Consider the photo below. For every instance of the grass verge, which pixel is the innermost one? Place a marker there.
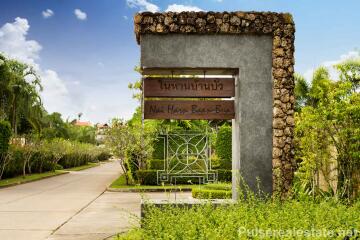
(120, 185)
(28, 178)
(83, 167)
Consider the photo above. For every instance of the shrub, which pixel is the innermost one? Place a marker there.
(223, 146)
(218, 186)
(156, 164)
(215, 161)
(147, 177)
(41, 161)
(14, 166)
(131, 162)
(224, 175)
(204, 193)
(212, 191)
(38, 157)
(74, 159)
(158, 145)
(103, 156)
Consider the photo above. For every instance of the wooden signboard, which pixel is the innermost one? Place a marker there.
(177, 109)
(189, 87)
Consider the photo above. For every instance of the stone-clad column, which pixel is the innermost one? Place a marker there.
(168, 40)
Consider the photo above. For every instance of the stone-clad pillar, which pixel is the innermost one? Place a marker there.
(237, 40)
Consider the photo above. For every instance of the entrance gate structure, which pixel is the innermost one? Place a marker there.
(253, 48)
(187, 155)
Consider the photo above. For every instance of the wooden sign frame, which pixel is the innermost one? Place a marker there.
(189, 109)
(189, 87)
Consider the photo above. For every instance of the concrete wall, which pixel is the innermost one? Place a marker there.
(252, 55)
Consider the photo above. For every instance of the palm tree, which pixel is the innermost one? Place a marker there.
(307, 94)
(19, 94)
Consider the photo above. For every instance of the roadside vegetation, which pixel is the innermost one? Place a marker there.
(34, 143)
(252, 219)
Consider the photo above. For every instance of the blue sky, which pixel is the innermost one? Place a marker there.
(87, 59)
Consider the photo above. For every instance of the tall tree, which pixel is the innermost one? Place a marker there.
(330, 118)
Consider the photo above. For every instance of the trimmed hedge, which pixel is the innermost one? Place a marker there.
(218, 186)
(148, 177)
(223, 146)
(203, 193)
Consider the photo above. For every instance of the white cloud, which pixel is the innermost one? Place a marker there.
(144, 5)
(182, 8)
(125, 17)
(55, 94)
(80, 14)
(14, 44)
(330, 65)
(48, 13)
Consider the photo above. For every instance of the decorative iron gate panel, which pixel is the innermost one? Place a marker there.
(187, 155)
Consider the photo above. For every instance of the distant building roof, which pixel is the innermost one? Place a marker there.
(84, 124)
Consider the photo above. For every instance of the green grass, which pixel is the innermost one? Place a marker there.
(28, 178)
(83, 167)
(120, 183)
(38, 176)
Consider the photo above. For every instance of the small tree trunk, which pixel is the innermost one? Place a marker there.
(125, 171)
(4, 161)
(24, 169)
(2, 168)
(29, 167)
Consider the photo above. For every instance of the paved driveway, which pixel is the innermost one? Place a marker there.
(73, 206)
(36, 210)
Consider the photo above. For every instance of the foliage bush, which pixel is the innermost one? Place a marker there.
(224, 175)
(42, 156)
(218, 186)
(104, 155)
(223, 147)
(327, 132)
(212, 191)
(252, 219)
(156, 164)
(203, 193)
(131, 145)
(147, 177)
(158, 145)
(5, 134)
